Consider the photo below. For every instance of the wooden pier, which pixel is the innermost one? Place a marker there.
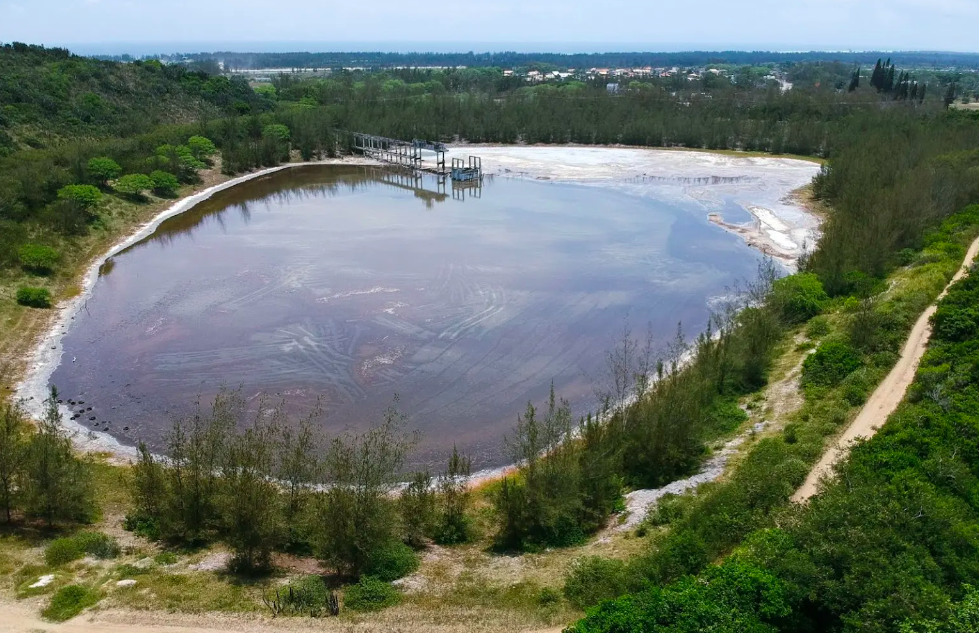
(409, 154)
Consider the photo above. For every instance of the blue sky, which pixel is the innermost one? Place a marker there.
(565, 25)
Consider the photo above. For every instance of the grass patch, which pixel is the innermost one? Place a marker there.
(370, 594)
(68, 602)
(193, 593)
(64, 550)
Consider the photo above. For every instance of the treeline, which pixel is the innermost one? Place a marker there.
(885, 545)
(41, 476)
(266, 483)
(892, 176)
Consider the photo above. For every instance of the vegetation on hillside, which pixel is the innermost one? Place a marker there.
(887, 547)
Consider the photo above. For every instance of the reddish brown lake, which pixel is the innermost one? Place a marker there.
(352, 285)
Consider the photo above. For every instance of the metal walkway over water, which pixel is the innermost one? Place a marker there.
(409, 154)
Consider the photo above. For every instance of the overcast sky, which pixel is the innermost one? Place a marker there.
(564, 25)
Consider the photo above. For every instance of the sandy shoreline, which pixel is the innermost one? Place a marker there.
(762, 186)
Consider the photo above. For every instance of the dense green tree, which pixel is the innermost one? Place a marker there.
(134, 185)
(201, 148)
(416, 504)
(298, 468)
(85, 197)
(38, 258)
(58, 483)
(165, 184)
(13, 454)
(250, 507)
(355, 521)
(454, 524)
(799, 297)
(102, 169)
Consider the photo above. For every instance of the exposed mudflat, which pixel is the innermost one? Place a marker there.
(749, 196)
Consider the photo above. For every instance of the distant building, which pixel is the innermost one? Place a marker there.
(612, 88)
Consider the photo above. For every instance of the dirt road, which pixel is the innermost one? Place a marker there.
(21, 617)
(888, 394)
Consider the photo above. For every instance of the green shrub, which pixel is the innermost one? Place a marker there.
(68, 602)
(855, 388)
(83, 196)
(792, 472)
(127, 570)
(276, 131)
(818, 327)
(12, 235)
(668, 508)
(955, 322)
(860, 284)
(731, 597)
(906, 256)
(134, 185)
(829, 364)
(593, 579)
(370, 594)
(799, 297)
(166, 558)
(725, 415)
(34, 297)
(37, 258)
(141, 525)
(548, 596)
(201, 147)
(97, 544)
(392, 561)
(791, 433)
(66, 549)
(63, 550)
(102, 170)
(164, 184)
(305, 596)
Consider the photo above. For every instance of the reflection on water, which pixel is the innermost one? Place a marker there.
(299, 183)
(352, 284)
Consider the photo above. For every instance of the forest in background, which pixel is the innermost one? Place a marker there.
(899, 168)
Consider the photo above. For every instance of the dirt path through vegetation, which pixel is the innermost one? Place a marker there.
(888, 394)
(21, 617)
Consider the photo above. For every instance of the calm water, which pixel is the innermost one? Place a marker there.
(351, 284)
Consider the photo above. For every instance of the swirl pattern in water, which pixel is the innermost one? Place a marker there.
(351, 284)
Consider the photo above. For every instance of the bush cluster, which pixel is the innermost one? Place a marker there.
(34, 297)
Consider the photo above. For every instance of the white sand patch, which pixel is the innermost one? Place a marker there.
(768, 218)
(356, 293)
(639, 502)
(781, 239)
(760, 185)
(212, 562)
(43, 581)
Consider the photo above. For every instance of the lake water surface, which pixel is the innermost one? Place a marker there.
(352, 284)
